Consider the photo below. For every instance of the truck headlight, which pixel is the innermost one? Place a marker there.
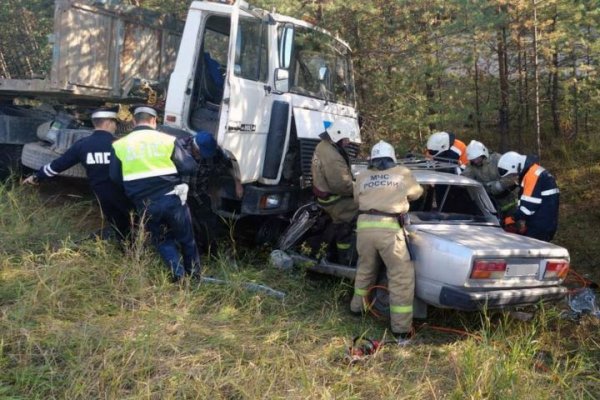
(270, 201)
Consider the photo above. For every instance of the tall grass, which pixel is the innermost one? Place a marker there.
(82, 320)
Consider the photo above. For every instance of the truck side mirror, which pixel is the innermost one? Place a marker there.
(282, 80)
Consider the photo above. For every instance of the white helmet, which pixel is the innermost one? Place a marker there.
(383, 150)
(511, 163)
(438, 142)
(341, 129)
(476, 149)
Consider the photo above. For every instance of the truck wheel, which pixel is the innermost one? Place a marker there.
(36, 155)
(10, 159)
(270, 230)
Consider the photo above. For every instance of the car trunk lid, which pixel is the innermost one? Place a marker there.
(524, 259)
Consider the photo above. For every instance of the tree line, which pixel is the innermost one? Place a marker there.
(518, 73)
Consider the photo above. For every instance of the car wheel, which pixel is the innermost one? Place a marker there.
(36, 155)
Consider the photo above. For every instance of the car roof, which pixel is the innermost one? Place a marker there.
(438, 177)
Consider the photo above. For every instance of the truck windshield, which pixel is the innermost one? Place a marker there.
(321, 67)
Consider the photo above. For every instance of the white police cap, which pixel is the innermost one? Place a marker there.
(146, 110)
(105, 113)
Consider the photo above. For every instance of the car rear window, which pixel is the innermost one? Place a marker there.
(449, 203)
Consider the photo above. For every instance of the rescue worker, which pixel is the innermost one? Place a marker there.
(148, 163)
(333, 185)
(445, 145)
(383, 192)
(93, 152)
(483, 167)
(212, 164)
(537, 212)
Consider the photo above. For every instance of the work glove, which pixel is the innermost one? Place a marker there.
(510, 225)
(509, 221)
(180, 191)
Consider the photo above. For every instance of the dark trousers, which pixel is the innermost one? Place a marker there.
(170, 227)
(116, 208)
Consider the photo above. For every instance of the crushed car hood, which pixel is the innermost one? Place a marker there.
(490, 240)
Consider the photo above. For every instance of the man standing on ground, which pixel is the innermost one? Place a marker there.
(383, 192)
(333, 184)
(148, 163)
(93, 152)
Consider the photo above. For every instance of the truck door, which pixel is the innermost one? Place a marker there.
(247, 99)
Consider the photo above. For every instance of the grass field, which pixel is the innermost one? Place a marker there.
(85, 320)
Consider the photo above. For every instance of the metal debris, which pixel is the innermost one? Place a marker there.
(280, 260)
(584, 302)
(253, 287)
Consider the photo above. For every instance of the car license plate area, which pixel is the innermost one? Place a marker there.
(516, 270)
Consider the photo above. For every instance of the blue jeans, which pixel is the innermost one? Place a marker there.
(170, 227)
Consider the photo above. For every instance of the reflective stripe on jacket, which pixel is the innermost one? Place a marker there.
(538, 199)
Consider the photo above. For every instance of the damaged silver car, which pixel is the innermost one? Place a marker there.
(463, 258)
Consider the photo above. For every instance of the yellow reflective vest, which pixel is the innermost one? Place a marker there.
(145, 153)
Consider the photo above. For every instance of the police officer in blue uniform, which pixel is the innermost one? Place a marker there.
(149, 165)
(93, 152)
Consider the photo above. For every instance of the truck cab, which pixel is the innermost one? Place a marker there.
(265, 85)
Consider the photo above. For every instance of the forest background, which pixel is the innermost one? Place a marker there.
(517, 74)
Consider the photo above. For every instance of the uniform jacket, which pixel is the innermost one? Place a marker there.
(331, 170)
(93, 152)
(333, 183)
(385, 191)
(503, 190)
(457, 151)
(160, 156)
(538, 198)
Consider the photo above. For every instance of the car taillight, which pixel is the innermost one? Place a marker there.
(556, 269)
(488, 269)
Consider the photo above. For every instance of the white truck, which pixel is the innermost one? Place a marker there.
(266, 85)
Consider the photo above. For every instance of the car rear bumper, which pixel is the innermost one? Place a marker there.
(460, 299)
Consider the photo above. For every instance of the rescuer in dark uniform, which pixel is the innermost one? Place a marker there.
(537, 210)
(93, 152)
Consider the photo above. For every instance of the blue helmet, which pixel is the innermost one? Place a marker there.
(205, 142)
